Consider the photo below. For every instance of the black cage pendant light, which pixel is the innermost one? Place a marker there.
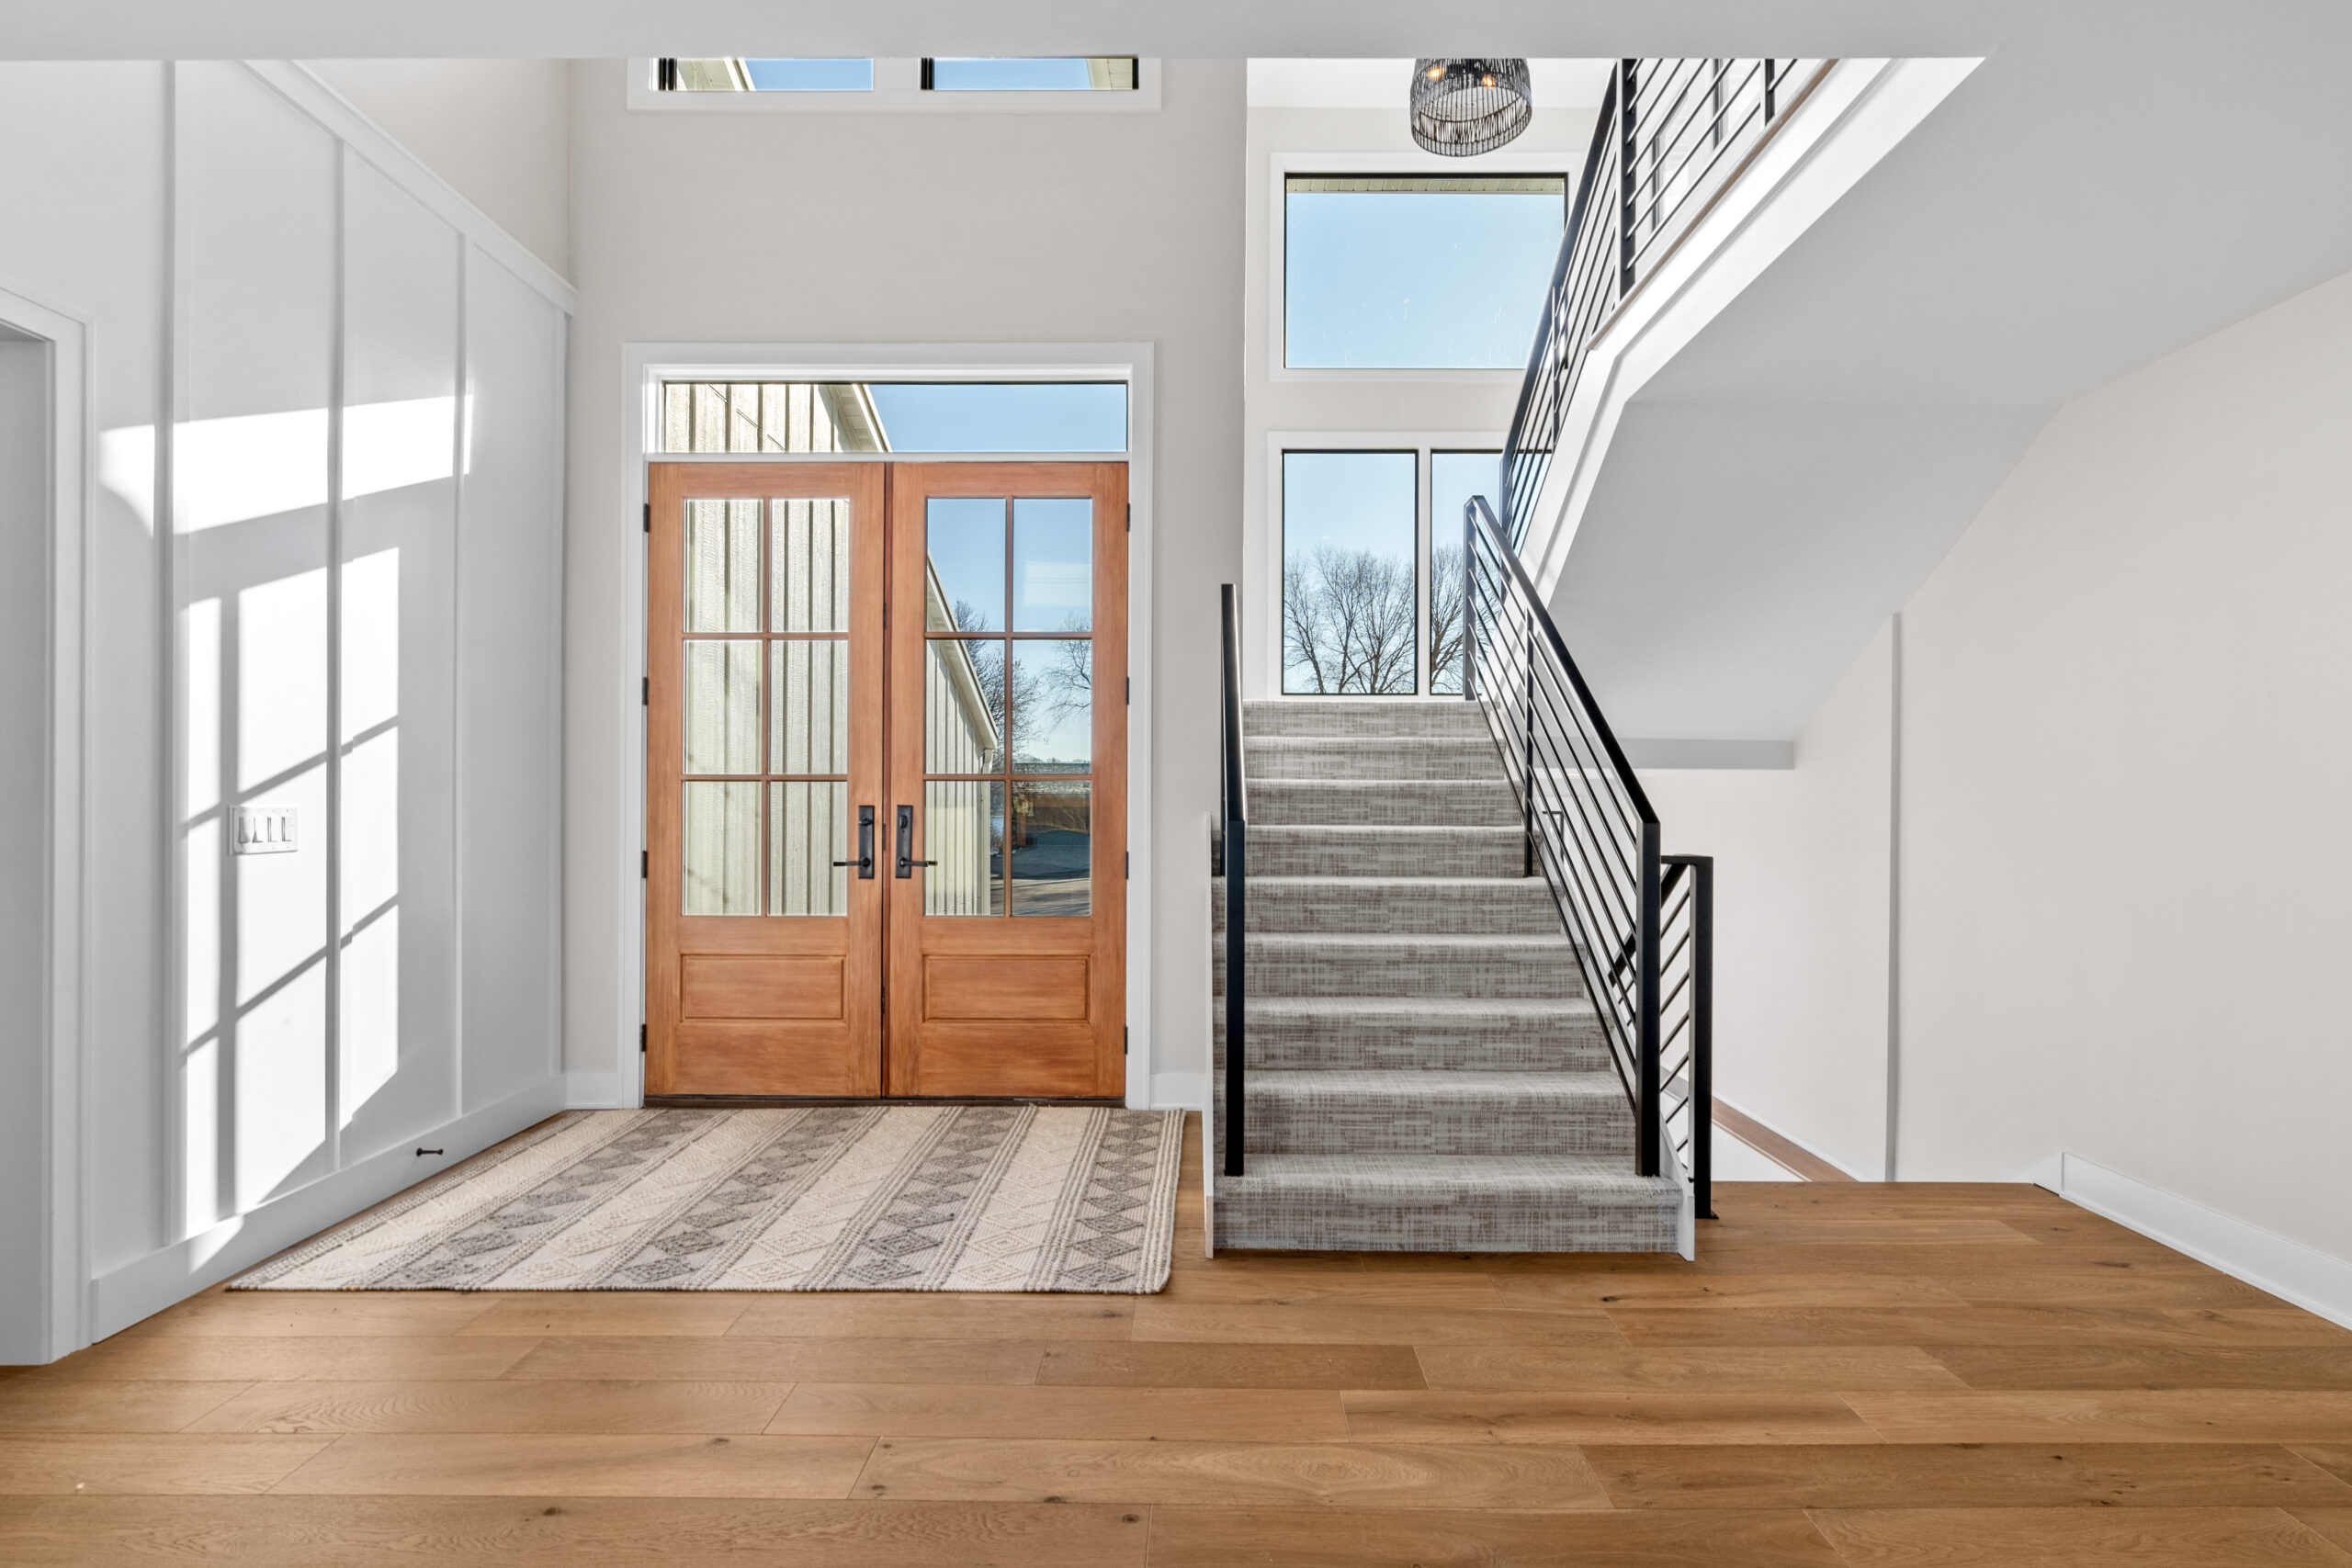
(1464, 108)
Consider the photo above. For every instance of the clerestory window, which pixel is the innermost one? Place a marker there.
(1417, 272)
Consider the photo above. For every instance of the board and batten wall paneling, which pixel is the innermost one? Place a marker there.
(314, 367)
(510, 647)
(397, 994)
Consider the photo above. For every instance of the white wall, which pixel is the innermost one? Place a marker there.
(2126, 767)
(280, 287)
(1802, 906)
(2123, 824)
(496, 129)
(919, 228)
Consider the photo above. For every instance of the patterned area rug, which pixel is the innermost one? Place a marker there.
(826, 1198)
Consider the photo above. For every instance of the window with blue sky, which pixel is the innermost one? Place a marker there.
(894, 416)
(1115, 73)
(1402, 272)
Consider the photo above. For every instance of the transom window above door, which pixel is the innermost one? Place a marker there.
(893, 417)
(1417, 272)
(1372, 576)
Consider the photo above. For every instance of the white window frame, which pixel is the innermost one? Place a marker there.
(1281, 165)
(897, 89)
(1267, 591)
(646, 366)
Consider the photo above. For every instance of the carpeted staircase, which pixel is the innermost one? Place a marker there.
(1425, 1072)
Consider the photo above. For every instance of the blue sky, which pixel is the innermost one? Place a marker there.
(810, 76)
(1355, 500)
(1008, 76)
(1416, 280)
(1454, 478)
(1004, 416)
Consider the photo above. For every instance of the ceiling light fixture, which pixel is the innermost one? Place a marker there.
(1464, 108)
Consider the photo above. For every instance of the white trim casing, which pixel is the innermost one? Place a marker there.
(645, 366)
(2312, 1279)
(59, 1081)
(897, 89)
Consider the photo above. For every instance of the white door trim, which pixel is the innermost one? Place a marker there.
(645, 366)
(63, 1261)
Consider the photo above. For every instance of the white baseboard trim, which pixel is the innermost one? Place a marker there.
(1180, 1091)
(601, 1091)
(146, 1286)
(2309, 1278)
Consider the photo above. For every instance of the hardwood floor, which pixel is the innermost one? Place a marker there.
(1851, 1375)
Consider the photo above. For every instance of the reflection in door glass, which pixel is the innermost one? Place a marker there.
(810, 565)
(1052, 565)
(722, 707)
(962, 704)
(808, 706)
(1052, 847)
(807, 831)
(722, 851)
(1053, 705)
(965, 586)
(722, 566)
(963, 828)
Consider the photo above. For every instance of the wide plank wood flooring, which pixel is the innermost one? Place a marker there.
(1849, 1376)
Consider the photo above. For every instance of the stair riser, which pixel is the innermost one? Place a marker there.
(1387, 851)
(1520, 909)
(1406, 803)
(1340, 1041)
(1315, 1219)
(1403, 970)
(1388, 757)
(1343, 1123)
(1346, 720)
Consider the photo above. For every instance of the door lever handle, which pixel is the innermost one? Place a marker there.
(864, 861)
(907, 862)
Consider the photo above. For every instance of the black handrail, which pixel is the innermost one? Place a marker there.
(1233, 858)
(1672, 135)
(1641, 938)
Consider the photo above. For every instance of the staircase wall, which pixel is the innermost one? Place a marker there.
(2115, 861)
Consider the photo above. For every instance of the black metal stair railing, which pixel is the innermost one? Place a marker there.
(1233, 864)
(1643, 940)
(1672, 135)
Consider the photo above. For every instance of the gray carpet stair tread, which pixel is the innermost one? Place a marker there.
(1409, 1174)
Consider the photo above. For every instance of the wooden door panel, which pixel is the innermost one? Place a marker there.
(987, 1059)
(1004, 987)
(744, 986)
(1004, 996)
(756, 1056)
(772, 999)
(764, 978)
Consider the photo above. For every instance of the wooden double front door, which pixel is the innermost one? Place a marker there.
(885, 779)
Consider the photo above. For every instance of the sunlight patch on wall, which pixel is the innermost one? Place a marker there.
(242, 467)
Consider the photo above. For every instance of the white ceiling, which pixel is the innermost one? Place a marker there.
(1382, 83)
(1195, 28)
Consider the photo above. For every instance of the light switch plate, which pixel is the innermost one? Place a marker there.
(263, 831)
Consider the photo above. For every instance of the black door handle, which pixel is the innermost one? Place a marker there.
(864, 861)
(907, 862)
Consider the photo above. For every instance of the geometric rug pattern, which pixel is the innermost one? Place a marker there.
(819, 1198)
